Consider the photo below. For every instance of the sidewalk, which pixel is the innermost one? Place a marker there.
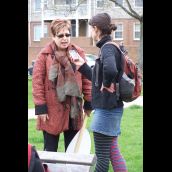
(138, 101)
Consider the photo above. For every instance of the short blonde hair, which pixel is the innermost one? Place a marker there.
(58, 24)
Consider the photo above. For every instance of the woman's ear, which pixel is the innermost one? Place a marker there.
(97, 32)
(95, 28)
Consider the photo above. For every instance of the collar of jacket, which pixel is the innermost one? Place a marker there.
(105, 39)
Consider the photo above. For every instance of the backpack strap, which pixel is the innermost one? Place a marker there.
(122, 58)
(122, 66)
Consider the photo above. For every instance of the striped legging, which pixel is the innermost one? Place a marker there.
(106, 149)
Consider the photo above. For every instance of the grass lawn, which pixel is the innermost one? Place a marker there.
(130, 141)
(30, 100)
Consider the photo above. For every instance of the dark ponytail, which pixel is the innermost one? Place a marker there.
(103, 22)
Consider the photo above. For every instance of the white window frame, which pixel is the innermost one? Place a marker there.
(97, 6)
(135, 6)
(122, 31)
(134, 31)
(34, 32)
(35, 10)
(116, 6)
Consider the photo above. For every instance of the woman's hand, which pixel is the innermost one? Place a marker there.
(78, 62)
(44, 117)
(111, 89)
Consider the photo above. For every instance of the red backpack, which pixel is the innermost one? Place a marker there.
(129, 84)
(34, 162)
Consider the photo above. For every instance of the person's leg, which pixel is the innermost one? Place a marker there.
(68, 136)
(102, 150)
(117, 161)
(50, 142)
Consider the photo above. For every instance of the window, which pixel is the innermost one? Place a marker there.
(83, 2)
(120, 2)
(58, 2)
(45, 31)
(37, 5)
(37, 32)
(138, 3)
(45, 4)
(70, 2)
(99, 3)
(66, 2)
(136, 31)
(73, 28)
(119, 32)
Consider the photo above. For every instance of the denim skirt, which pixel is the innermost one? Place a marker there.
(107, 121)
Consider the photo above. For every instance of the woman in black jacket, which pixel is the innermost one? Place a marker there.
(108, 109)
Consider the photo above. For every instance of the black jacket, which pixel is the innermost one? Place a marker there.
(105, 71)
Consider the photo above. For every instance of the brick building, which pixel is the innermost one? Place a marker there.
(42, 12)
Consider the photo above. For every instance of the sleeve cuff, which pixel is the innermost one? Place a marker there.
(83, 68)
(41, 109)
(87, 105)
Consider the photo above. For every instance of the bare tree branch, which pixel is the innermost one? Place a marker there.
(130, 8)
(131, 12)
(135, 15)
(75, 7)
(69, 8)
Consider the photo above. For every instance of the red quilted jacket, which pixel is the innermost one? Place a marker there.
(43, 94)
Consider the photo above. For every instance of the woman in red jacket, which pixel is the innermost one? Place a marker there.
(60, 92)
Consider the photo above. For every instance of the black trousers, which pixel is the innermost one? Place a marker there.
(51, 141)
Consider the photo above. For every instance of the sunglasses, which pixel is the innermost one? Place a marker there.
(62, 35)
